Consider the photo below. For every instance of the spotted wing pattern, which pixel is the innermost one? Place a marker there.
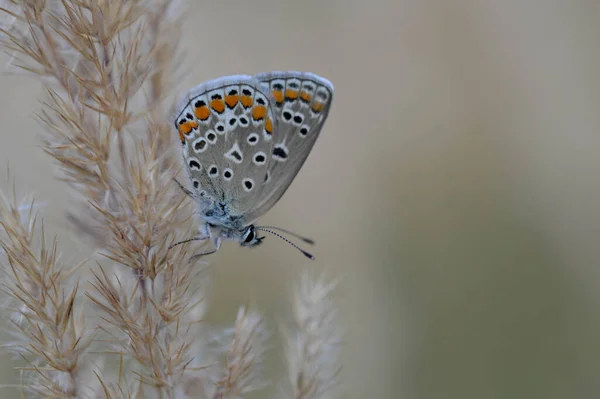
(226, 128)
(302, 102)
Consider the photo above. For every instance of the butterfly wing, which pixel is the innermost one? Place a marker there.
(225, 126)
(302, 102)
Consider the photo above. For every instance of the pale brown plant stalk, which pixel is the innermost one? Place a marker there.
(242, 374)
(48, 319)
(116, 50)
(313, 345)
(107, 69)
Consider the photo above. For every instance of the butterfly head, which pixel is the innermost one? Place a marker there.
(250, 238)
(229, 227)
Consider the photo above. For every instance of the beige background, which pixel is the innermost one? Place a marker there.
(455, 186)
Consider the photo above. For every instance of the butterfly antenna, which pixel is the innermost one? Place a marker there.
(305, 239)
(308, 255)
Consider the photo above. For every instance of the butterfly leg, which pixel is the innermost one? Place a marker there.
(204, 235)
(199, 238)
(217, 242)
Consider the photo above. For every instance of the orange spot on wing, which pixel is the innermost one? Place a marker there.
(246, 101)
(291, 94)
(202, 113)
(278, 95)
(259, 112)
(231, 101)
(185, 128)
(218, 105)
(305, 96)
(317, 106)
(269, 126)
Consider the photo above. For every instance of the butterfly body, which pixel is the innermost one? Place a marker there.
(244, 139)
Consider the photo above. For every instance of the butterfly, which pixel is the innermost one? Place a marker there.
(244, 139)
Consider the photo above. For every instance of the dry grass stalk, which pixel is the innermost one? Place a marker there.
(100, 59)
(313, 346)
(242, 374)
(106, 67)
(50, 327)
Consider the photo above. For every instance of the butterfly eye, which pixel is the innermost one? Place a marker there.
(249, 235)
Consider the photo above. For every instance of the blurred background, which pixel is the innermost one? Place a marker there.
(455, 186)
